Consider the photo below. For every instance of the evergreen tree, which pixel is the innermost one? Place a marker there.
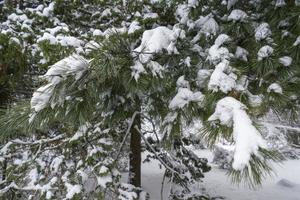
(127, 75)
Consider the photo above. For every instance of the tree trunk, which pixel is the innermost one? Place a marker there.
(135, 154)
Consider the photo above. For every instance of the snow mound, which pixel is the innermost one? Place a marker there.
(241, 53)
(216, 53)
(262, 31)
(237, 15)
(184, 95)
(285, 61)
(156, 40)
(264, 52)
(207, 25)
(275, 87)
(222, 78)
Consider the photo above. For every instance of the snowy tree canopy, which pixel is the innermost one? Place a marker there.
(109, 79)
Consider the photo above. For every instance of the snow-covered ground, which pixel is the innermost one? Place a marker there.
(284, 186)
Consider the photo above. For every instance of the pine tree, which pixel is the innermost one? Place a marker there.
(117, 67)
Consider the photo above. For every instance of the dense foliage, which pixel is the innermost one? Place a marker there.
(120, 74)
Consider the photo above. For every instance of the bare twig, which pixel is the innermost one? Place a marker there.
(126, 134)
(154, 152)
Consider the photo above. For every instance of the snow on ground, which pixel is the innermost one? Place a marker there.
(284, 186)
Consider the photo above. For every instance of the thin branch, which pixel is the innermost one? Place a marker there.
(126, 134)
(154, 127)
(154, 152)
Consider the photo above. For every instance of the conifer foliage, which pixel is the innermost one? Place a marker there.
(117, 78)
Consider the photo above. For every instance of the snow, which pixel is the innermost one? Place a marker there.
(221, 79)
(104, 179)
(230, 112)
(182, 13)
(127, 192)
(33, 176)
(41, 97)
(254, 100)
(137, 69)
(237, 15)
(72, 190)
(150, 16)
(262, 32)
(97, 32)
(156, 69)
(56, 162)
(275, 87)
(72, 65)
(217, 183)
(297, 42)
(134, 26)
(221, 39)
(48, 10)
(202, 76)
(80, 132)
(69, 41)
(62, 40)
(264, 52)
(241, 53)
(280, 3)
(207, 25)
(231, 3)
(57, 29)
(185, 96)
(193, 3)
(47, 37)
(154, 41)
(285, 61)
(182, 83)
(216, 53)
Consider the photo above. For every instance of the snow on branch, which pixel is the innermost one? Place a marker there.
(73, 65)
(232, 113)
(156, 40)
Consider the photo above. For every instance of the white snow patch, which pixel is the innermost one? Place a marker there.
(280, 3)
(150, 16)
(237, 15)
(264, 52)
(207, 25)
(56, 162)
(275, 87)
(134, 26)
(154, 41)
(222, 78)
(137, 69)
(72, 190)
(285, 61)
(203, 76)
(47, 37)
(297, 42)
(185, 96)
(241, 53)
(262, 32)
(97, 32)
(216, 53)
